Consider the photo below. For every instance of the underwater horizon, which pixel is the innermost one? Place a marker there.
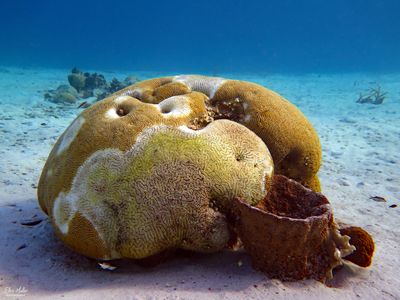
(203, 36)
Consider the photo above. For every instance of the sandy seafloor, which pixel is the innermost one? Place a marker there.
(361, 158)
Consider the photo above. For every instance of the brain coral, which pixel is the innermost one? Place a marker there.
(156, 165)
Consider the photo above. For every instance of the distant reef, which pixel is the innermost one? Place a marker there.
(90, 87)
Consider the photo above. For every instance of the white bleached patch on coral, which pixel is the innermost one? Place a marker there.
(67, 204)
(268, 172)
(136, 93)
(191, 132)
(111, 114)
(121, 99)
(64, 209)
(247, 118)
(70, 134)
(204, 84)
(176, 106)
(187, 130)
(49, 173)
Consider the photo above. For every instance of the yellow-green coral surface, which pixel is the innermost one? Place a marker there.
(156, 165)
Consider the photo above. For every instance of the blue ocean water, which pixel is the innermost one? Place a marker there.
(203, 36)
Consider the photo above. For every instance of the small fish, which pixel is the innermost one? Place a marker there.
(82, 104)
(106, 266)
(378, 199)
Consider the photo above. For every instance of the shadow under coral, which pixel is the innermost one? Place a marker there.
(33, 257)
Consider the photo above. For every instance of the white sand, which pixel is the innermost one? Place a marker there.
(361, 146)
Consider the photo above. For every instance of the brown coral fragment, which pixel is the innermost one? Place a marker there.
(291, 234)
(364, 244)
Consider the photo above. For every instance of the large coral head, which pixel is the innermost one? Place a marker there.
(165, 186)
(156, 165)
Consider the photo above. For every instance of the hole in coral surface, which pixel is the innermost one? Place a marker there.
(168, 105)
(239, 157)
(122, 112)
(242, 154)
(166, 109)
